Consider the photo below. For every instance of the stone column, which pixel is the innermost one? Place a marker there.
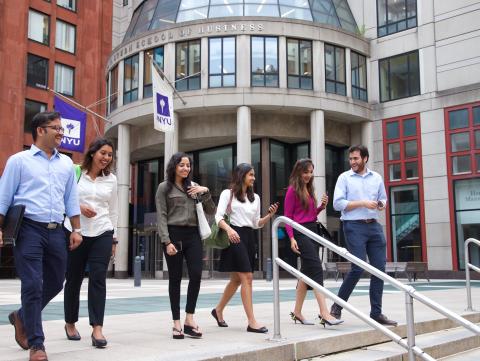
(367, 140)
(121, 74)
(348, 72)
(317, 153)
(244, 132)
(141, 70)
(123, 181)
(282, 62)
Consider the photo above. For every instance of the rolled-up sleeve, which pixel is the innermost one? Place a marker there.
(222, 205)
(72, 205)
(340, 201)
(9, 183)
(162, 213)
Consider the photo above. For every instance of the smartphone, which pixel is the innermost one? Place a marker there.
(380, 204)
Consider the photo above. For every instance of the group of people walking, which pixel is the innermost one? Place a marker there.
(81, 207)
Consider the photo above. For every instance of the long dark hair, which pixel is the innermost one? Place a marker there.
(298, 185)
(238, 178)
(92, 149)
(171, 171)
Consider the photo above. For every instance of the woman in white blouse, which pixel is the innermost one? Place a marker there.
(97, 193)
(243, 205)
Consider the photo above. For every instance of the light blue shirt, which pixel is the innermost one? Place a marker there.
(355, 187)
(47, 187)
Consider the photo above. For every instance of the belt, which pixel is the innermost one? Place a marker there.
(368, 220)
(50, 225)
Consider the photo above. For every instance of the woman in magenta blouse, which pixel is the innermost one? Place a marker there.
(301, 206)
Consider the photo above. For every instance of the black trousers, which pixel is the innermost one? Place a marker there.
(96, 252)
(309, 254)
(192, 251)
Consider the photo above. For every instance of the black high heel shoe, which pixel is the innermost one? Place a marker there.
(75, 337)
(303, 322)
(98, 342)
(191, 331)
(215, 316)
(325, 322)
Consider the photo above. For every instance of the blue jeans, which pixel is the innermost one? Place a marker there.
(362, 240)
(40, 260)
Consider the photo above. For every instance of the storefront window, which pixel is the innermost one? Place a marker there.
(150, 174)
(215, 169)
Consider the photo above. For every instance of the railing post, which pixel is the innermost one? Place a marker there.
(467, 276)
(410, 326)
(276, 283)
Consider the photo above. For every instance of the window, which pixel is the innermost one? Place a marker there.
(399, 77)
(64, 79)
(463, 140)
(130, 81)
(359, 76)
(395, 15)
(221, 62)
(188, 65)
(38, 27)
(264, 60)
(335, 70)
(125, 2)
(65, 37)
(157, 56)
(31, 108)
(299, 64)
(37, 71)
(113, 89)
(68, 4)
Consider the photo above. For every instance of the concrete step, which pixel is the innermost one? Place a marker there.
(453, 341)
(471, 355)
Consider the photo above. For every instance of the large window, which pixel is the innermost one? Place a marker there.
(395, 15)
(31, 108)
(221, 62)
(68, 4)
(38, 27)
(37, 71)
(188, 62)
(335, 70)
(113, 94)
(399, 77)
(264, 60)
(359, 76)
(130, 81)
(65, 36)
(64, 79)
(299, 64)
(157, 56)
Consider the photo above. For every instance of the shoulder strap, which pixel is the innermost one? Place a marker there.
(78, 171)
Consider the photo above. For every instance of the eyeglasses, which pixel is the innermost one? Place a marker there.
(57, 128)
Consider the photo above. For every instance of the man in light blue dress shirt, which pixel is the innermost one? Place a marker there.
(359, 195)
(43, 180)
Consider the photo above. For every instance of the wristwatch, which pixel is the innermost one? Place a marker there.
(77, 230)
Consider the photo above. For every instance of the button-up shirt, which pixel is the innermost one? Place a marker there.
(244, 214)
(100, 194)
(352, 186)
(46, 186)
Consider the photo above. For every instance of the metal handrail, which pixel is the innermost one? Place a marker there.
(410, 292)
(468, 265)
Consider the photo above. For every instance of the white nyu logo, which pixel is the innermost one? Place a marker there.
(72, 128)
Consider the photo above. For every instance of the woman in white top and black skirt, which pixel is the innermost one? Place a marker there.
(244, 208)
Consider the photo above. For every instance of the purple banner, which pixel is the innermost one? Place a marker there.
(74, 122)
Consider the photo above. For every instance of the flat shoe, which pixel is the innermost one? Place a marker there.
(191, 331)
(262, 329)
(75, 337)
(215, 316)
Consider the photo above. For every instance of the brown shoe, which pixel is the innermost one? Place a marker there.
(37, 353)
(20, 335)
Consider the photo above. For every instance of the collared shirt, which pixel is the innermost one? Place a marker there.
(46, 187)
(244, 214)
(101, 195)
(355, 187)
(176, 208)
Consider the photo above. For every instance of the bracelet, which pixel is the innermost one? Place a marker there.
(114, 242)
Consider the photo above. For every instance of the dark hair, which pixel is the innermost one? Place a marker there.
(296, 181)
(171, 171)
(41, 119)
(93, 148)
(359, 148)
(238, 177)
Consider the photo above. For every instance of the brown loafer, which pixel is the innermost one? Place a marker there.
(20, 335)
(37, 353)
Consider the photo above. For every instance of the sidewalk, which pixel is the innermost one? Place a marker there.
(138, 320)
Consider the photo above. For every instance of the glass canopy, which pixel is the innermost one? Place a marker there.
(159, 14)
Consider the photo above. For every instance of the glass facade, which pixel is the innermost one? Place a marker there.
(64, 81)
(399, 77)
(335, 70)
(157, 56)
(264, 61)
(37, 71)
(395, 15)
(130, 81)
(188, 68)
(299, 64)
(38, 27)
(221, 62)
(359, 76)
(65, 36)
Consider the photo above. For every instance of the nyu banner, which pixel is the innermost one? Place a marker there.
(162, 103)
(74, 122)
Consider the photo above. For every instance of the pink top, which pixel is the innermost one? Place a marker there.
(294, 210)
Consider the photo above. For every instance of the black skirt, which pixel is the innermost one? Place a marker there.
(239, 257)
(309, 253)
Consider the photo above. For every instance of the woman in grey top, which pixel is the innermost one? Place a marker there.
(178, 230)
